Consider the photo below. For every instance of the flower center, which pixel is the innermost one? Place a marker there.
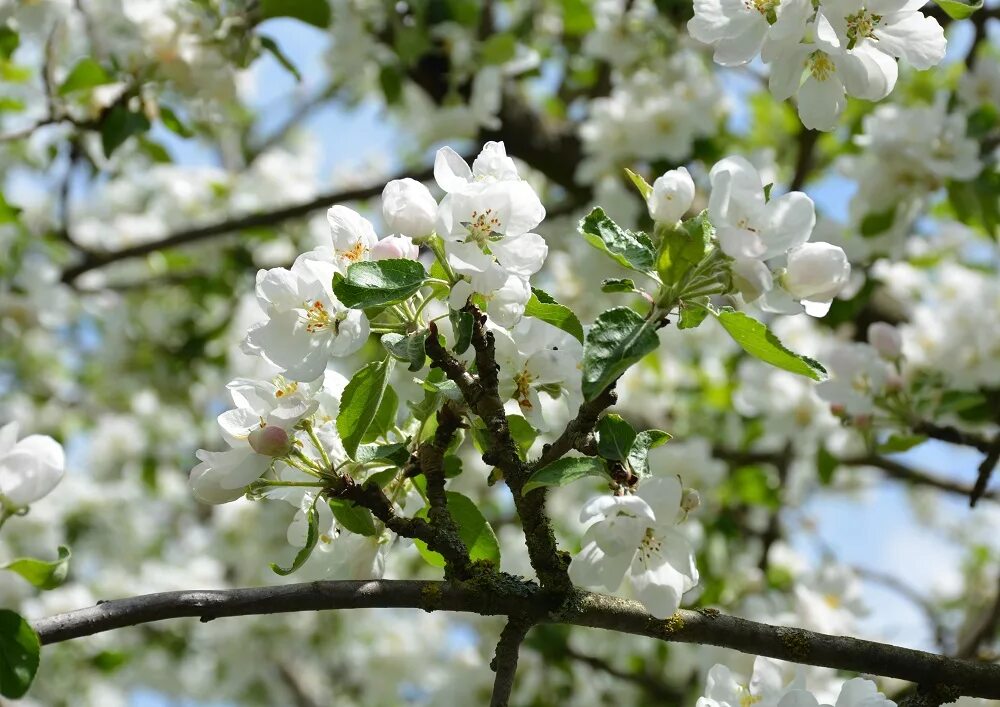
(768, 8)
(318, 318)
(832, 600)
(820, 66)
(861, 25)
(748, 699)
(649, 546)
(285, 387)
(483, 227)
(523, 382)
(356, 252)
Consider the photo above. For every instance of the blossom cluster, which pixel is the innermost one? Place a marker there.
(766, 240)
(821, 52)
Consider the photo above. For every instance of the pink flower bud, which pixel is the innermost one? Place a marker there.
(886, 340)
(395, 247)
(270, 441)
(838, 409)
(862, 422)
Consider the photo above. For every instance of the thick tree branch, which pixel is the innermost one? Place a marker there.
(947, 433)
(504, 663)
(94, 260)
(481, 393)
(583, 609)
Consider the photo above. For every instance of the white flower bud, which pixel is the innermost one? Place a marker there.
(673, 194)
(394, 247)
(30, 468)
(886, 340)
(270, 441)
(690, 500)
(816, 272)
(408, 208)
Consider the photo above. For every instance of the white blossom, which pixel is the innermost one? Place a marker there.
(635, 534)
(29, 469)
(306, 324)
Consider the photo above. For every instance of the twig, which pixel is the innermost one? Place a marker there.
(804, 158)
(504, 663)
(92, 261)
(584, 609)
(985, 471)
(650, 683)
(986, 630)
(947, 433)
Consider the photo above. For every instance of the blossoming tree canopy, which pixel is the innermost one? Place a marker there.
(588, 352)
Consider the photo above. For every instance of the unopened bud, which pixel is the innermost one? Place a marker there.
(690, 500)
(270, 441)
(838, 409)
(409, 208)
(893, 383)
(395, 247)
(671, 197)
(886, 340)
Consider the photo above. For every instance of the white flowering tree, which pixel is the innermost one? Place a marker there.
(561, 409)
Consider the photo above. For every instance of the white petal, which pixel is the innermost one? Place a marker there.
(917, 39)
(740, 49)
(790, 220)
(867, 72)
(348, 229)
(593, 568)
(751, 277)
(821, 103)
(523, 255)
(663, 494)
(740, 243)
(8, 437)
(451, 172)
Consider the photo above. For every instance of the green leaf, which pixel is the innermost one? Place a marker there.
(312, 537)
(409, 348)
(692, 314)
(385, 417)
(638, 454)
(683, 248)
(360, 402)
(174, 124)
(644, 187)
(523, 434)
(313, 12)
(617, 339)
(618, 284)
(758, 341)
(374, 283)
(614, 437)
(498, 48)
(543, 306)
(767, 192)
(19, 650)
(566, 471)
(391, 80)
(461, 323)
(631, 250)
(900, 443)
(272, 47)
(826, 466)
(957, 10)
(41, 573)
(577, 17)
(880, 222)
(119, 125)
(10, 40)
(86, 74)
(357, 519)
(396, 453)
(475, 532)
